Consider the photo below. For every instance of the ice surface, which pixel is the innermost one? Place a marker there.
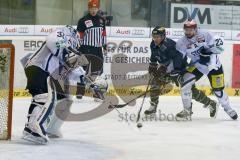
(110, 137)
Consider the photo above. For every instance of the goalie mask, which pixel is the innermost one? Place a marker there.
(72, 37)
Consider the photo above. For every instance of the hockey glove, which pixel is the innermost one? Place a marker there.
(204, 56)
(73, 58)
(152, 69)
(156, 70)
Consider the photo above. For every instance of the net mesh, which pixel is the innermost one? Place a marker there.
(5, 60)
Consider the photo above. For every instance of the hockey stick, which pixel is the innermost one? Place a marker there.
(162, 79)
(140, 109)
(125, 104)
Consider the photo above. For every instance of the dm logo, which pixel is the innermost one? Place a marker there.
(183, 14)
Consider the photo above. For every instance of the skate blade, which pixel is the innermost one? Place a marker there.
(189, 118)
(150, 114)
(36, 140)
(54, 136)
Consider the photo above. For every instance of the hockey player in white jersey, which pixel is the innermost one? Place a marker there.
(203, 49)
(58, 54)
(57, 57)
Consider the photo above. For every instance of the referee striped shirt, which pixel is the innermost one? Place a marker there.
(92, 31)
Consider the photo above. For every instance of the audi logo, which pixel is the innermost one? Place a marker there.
(138, 32)
(177, 33)
(23, 30)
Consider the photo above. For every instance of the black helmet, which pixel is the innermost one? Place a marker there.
(159, 31)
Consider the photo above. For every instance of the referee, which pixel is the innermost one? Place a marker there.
(92, 32)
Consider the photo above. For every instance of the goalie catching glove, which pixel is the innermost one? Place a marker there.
(73, 58)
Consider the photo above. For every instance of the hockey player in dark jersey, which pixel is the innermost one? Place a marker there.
(165, 66)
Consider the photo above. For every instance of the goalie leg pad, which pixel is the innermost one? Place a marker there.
(39, 116)
(60, 114)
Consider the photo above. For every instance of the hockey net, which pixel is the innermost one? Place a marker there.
(6, 89)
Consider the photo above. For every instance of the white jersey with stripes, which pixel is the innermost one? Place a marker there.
(50, 56)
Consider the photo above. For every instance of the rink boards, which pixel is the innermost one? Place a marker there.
(127, 60)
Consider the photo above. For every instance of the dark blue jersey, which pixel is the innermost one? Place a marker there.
(165, 53)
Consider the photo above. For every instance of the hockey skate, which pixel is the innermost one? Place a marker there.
(34, 137)
(33, 132)
(232, 113)
(213, 108)
(151, 110)
(185, 114)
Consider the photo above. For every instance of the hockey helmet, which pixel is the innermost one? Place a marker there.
(159, 31)
(93, 3)
(190, 28)
(190, 24)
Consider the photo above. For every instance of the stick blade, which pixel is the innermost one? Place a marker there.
(116, 106)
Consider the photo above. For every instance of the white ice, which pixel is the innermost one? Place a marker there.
(109, 138)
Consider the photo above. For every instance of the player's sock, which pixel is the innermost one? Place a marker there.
(213, 107)
(200, 97)
(224, 101)
(186, 94)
